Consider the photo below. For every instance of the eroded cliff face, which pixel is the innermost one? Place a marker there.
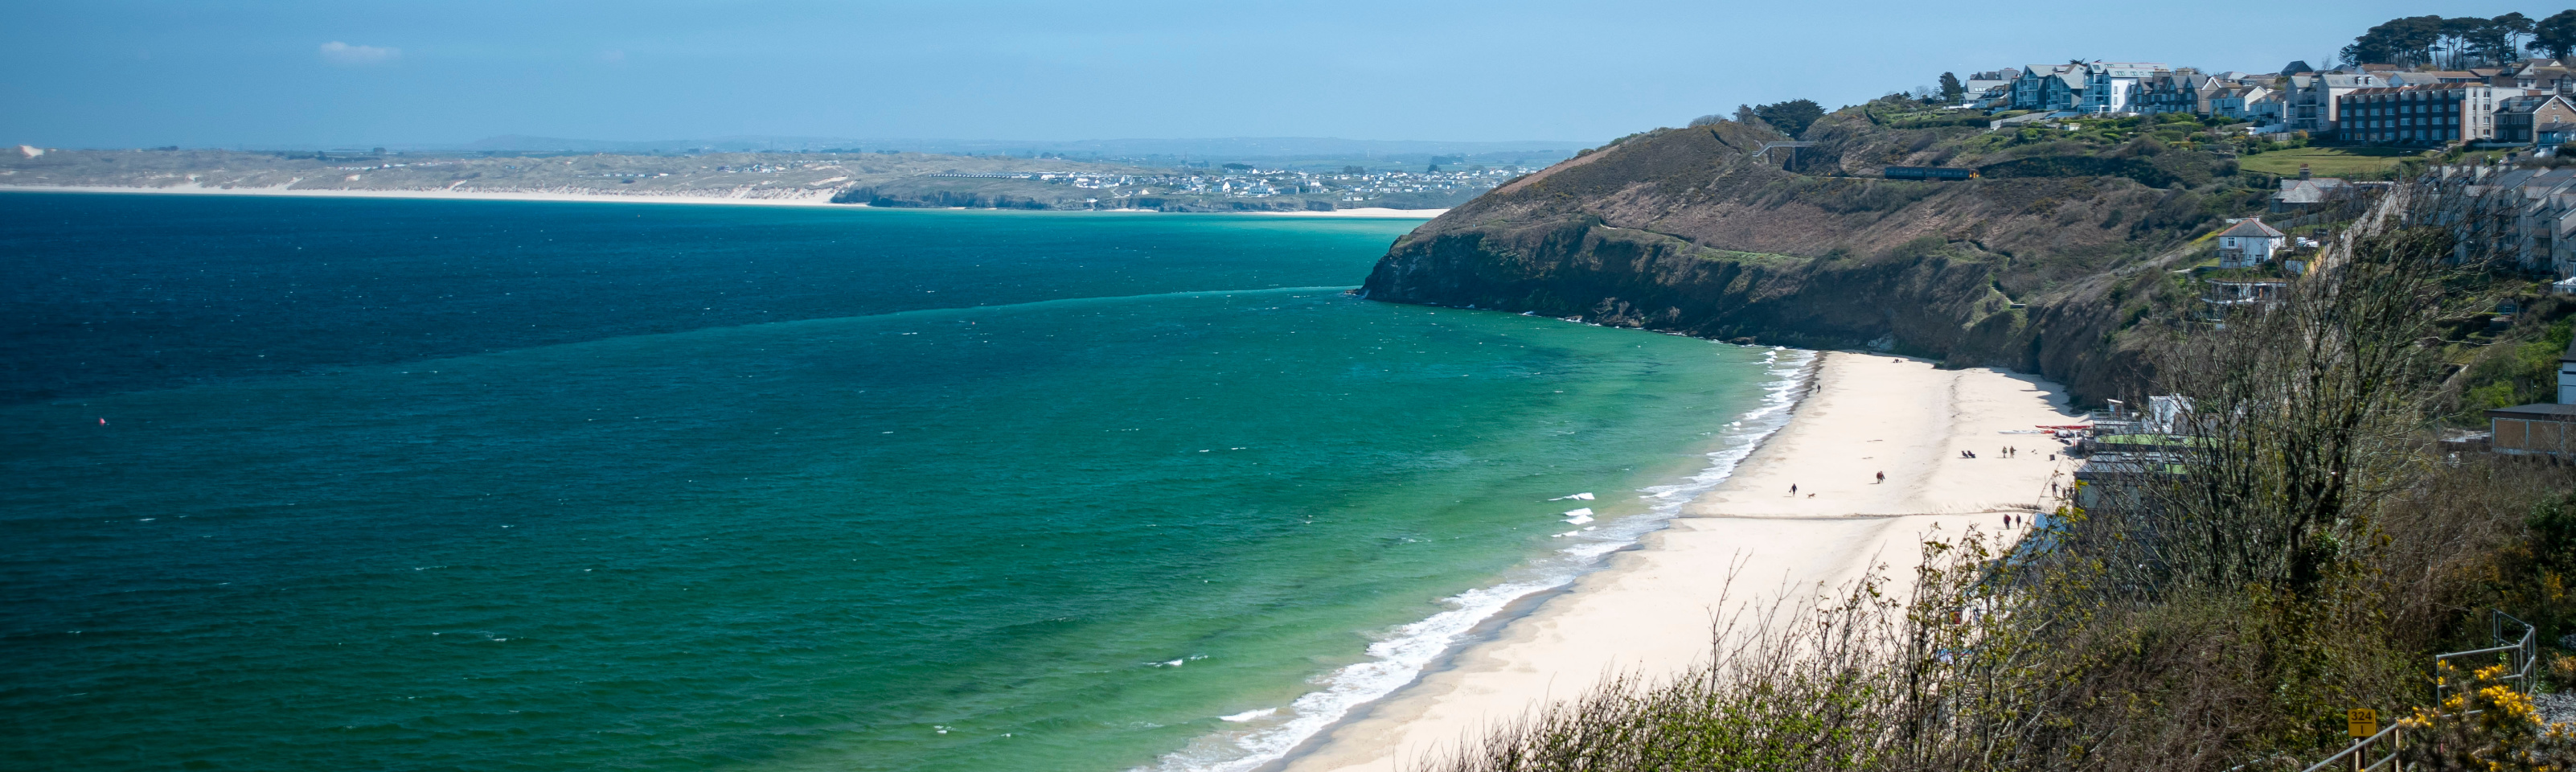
(1682, 231)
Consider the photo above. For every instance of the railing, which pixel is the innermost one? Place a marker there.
(1765, 152)
(2520, 656)
(2394, 735)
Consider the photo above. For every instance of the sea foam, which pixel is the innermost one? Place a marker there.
(1401, 654)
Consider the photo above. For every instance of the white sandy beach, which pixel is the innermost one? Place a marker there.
(807, 198)
(1651, 610)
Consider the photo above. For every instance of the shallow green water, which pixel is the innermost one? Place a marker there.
(1147, 511)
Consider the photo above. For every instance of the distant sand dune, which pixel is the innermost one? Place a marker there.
(737, 197)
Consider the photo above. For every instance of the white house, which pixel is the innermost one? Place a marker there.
(2107, 85)
(2248, 243)
(2244, 103)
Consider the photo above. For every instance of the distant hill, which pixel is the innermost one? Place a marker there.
(874, 178)
(2035, 265)
(1216, 149)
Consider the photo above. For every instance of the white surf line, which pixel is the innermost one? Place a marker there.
(1401, 656)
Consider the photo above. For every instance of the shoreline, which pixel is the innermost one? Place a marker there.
(811, 199)
(1859, 413)
(1406, 654)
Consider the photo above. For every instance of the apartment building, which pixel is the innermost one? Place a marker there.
(2313, 99)
(2428, 114)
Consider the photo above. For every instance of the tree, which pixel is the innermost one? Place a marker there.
(2506, 36)
(1951, 89)
(1791, 117)
(2555, 36)
(2459, 35)
(2410, 40)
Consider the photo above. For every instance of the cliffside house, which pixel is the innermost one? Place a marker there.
(2107, 85)
(2048, 87)
(2248, 243)
(2314, 99)
(2423, 115)
(2245, 103)
(1983, 84)
(2523, 215)
(2539, 75)
(2544, 428)
(2304, 191)
(2523, 120)
(2097, 88)
(2180, 91)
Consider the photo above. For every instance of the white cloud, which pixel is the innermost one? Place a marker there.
(347, 55)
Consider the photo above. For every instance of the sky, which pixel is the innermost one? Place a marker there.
(309, 73)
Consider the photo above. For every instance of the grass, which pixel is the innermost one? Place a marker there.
(2224, 618)
(2327, 161)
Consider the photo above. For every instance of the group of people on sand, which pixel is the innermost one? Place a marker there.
(2009, 452)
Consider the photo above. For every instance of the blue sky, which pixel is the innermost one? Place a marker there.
(121, 73)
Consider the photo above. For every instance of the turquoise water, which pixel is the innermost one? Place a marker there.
(1138, 491)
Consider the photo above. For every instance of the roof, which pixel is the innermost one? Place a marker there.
(2546, 411)
(2570, 356)
(2295, 191)
(2252, 226)
(2525, 104)
(2414, 89)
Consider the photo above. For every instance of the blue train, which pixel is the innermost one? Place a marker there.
(1928, 173)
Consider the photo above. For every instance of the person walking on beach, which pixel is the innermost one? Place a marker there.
(1793, 489)
(1882, 478)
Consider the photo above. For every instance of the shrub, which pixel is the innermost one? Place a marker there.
(2486, 725)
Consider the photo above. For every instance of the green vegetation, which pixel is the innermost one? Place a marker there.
(1791, 117)
(2516, 370)
(2348, 162)
(2303, 553)
(2462, 42)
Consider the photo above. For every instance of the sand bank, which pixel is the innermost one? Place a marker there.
(797, 198)
(810, 198)
(1651, 610)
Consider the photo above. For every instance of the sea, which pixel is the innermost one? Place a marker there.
(336, 484)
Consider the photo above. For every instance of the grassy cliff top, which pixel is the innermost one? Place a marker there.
(2052, 206)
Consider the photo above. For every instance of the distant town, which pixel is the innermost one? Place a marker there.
(1353, 185)
(2416, 81)
(836, 175)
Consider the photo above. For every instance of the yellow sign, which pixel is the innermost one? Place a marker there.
(2361, 722)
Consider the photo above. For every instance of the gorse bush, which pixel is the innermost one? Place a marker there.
(2487, 725)
(2299, 550)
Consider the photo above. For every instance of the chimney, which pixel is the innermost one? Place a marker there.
(2303, 171)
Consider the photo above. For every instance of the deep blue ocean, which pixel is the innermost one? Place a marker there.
(329, 484)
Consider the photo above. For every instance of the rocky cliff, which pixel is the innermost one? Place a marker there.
(1684, 230)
